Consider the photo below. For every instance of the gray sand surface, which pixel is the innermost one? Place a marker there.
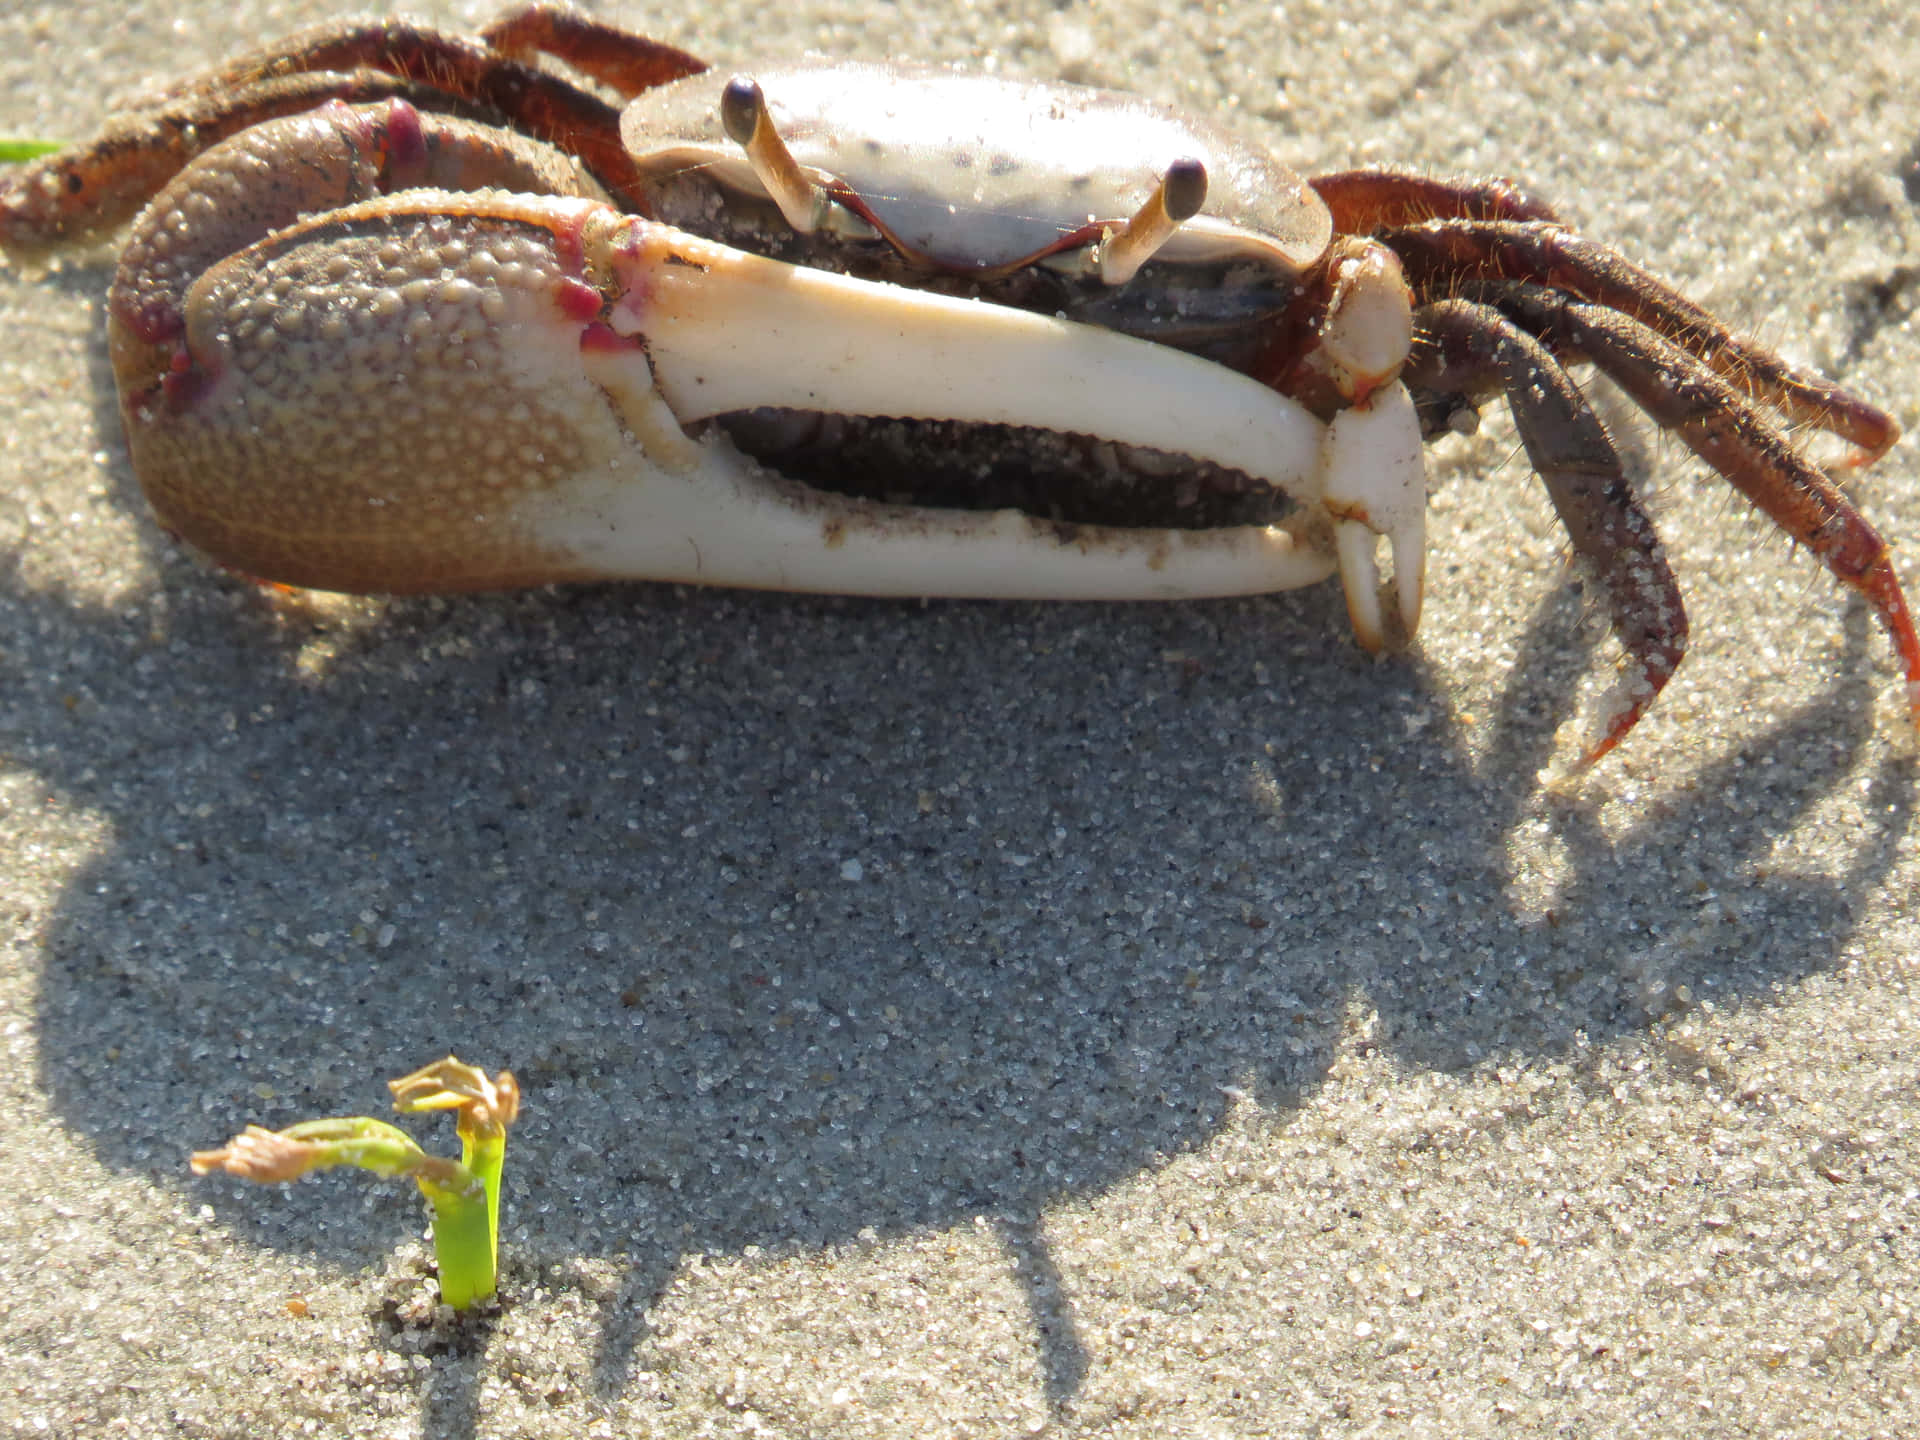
(1005, 1019)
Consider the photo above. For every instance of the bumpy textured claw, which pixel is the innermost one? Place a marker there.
(443, 390)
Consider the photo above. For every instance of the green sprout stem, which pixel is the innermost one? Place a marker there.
(464, 1238)
(464, 1193)
(484, 1155)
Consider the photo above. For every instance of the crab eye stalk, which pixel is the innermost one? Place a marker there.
(749, 124)
(1175, 200)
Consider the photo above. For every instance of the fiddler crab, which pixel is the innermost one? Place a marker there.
(411, 311)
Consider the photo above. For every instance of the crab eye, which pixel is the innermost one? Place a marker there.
(1175, 200)
(749, 124)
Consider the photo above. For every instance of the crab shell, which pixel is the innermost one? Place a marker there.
(975, 173)
(464, 388)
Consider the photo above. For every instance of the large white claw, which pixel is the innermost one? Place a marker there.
(715, 331)
(1376, 485)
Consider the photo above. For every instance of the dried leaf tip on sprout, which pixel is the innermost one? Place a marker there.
(464, 1193)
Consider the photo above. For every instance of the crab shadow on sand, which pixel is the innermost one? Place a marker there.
(800, 917)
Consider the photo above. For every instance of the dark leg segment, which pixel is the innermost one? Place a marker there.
(1724, 429)
(90, 189)
(1467, 347)
(624, 62)
(1366, 202)
(483, 72)
(1440, 255)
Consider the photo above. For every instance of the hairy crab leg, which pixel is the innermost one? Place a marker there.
(1440, 255)
(499, 71)
(1738, 440)
(622, 60)
(1463, 345)
(1368, 202)
(1488, 241)
(1448, 230)
(90, 189)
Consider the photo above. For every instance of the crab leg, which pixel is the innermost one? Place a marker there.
(91, 189)
(1464, 344)
(623, 61)
(497, 74)
(1442, 254)
(1720, 426)
(1367, 202)
(1449, 230)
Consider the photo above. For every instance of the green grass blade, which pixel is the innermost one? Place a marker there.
(14, 148)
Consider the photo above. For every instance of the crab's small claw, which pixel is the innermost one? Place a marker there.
(1375, 486)
(1372, 463)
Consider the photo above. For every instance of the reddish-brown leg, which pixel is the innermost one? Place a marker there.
(1366, 202)
(95, 187)
(496, 70)
(624, 62)
(1465, 347)
(91, 189)
(1442, 255)
(1720, 425)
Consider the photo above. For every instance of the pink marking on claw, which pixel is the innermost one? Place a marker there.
(406, 147)
(569, 239)
(154, 323)
(184, 390)
(187, 381)
(633, 277)
(578, 300)
(600, 338)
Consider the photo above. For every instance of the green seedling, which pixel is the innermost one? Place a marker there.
(15, 149)
(464, 1193)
